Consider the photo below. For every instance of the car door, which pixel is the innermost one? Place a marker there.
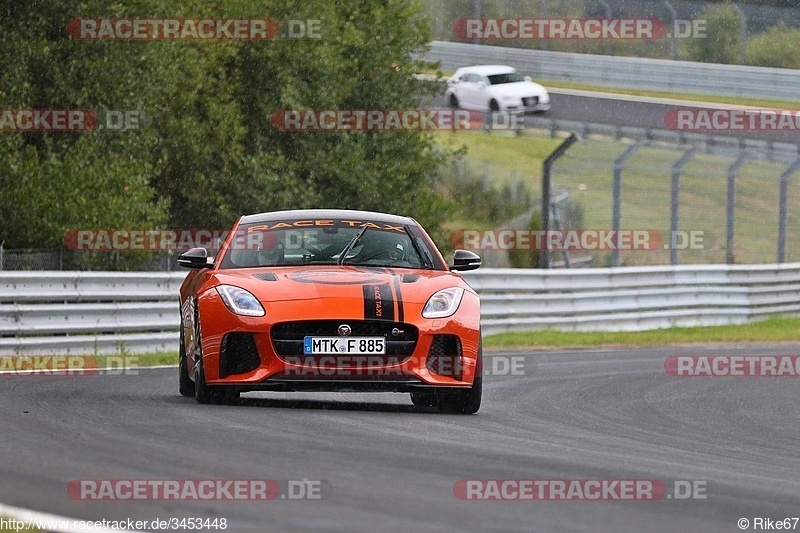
(468, 90)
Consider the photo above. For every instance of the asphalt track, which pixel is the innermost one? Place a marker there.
(633, 111)
(604, 414)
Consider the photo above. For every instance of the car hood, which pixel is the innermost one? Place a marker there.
(520, 89)
(281, 284)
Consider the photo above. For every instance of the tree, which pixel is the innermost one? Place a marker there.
(206, 151)
(721, 43)
(777, 47)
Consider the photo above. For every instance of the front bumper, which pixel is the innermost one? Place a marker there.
(538, 108)
(402, 369)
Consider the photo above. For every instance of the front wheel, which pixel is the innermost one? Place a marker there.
(453, 101)
(424, 399)
(203, 392)
(464, 402)
(185, 384)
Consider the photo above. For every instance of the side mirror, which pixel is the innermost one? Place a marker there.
(528, 78)
(195, 258)
(465, 260)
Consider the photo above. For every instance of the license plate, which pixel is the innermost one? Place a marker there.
(344, 345)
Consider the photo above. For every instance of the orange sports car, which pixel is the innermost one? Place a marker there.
(330, 300)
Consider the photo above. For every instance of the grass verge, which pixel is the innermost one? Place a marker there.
(778, 329)
(137, 360)
(5, 521)
(772, 330)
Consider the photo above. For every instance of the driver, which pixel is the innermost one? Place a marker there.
(385, 247)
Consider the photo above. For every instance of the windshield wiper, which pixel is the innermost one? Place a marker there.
(350, 245)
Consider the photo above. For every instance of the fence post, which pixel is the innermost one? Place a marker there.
(742, 34)
(609, 15)
(730, 228)
(616, 212)
(476, 14)
(782, 210)
(544, 255)
(543, 15)
(673, 48)
(675, 202)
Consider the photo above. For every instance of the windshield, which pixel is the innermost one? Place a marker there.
(379, 245)
(509, 77)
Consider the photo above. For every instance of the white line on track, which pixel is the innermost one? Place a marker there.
(652, 99)
(29, 516)
(63, 371)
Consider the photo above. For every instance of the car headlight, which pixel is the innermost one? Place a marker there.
(510, 98)
(240, 301)
(444, 303)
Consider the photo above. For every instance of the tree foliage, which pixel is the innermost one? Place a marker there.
(722, 40)
(777, 47)
(206, 151)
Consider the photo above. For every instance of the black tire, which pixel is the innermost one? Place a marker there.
(203, 392)
(494, 107)
(424, 399)
(466, 401)
(185, 384)
(453, 101)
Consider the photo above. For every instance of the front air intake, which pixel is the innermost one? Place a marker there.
(238, 354)
(444, 356)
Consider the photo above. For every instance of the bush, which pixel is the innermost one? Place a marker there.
(528, 258)
(722, 41)
(777, 47)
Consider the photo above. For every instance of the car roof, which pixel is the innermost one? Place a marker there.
(486, 70)
(296, 214)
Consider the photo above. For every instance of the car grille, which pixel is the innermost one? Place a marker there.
(531, 101)
(287, 337)
(444, 356)
(238, 354)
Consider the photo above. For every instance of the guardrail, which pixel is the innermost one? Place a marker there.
(627, 72)
(634, 298)
(89, 312)
(106, 312)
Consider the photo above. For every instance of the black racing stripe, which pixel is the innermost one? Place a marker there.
(378, 302)
(398, 295)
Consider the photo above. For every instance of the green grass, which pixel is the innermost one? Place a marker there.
(587, 172)
(772, 330)
(710, 98)
(153, 359)
(768, 331)
(7, 530)
(521, 154)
